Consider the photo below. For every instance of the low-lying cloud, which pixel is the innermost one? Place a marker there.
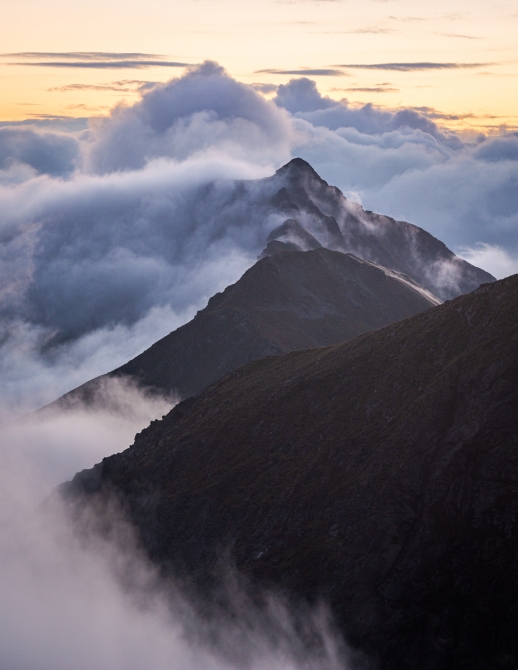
(111, 235)
(70, 600)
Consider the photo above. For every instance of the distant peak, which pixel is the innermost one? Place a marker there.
(298, 166)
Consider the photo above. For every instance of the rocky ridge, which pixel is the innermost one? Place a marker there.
(380, 474)
(288, 301)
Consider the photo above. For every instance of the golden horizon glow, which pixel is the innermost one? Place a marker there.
(260, 43)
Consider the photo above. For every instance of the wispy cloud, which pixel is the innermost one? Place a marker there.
(119, 86)
(409, 67)
(91, 59)
(406, 19)
(265, 88)
(371, 89)
(458, 36)
(309, 72)
(114, 65)
(358, 31)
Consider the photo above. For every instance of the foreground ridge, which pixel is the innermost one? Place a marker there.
(380, 474)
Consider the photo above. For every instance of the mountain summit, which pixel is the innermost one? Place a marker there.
(296, 192)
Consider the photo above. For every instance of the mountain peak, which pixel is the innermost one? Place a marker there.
(298, 166)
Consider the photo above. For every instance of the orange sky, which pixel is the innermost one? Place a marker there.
(477, 42)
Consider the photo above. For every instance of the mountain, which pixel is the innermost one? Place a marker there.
(303, 210)
(380, 474)
(298, 301)
(290, 300)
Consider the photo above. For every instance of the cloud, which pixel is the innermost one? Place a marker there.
(82, 55)
(499, 262)
(92, 601)
(94, 268)
(410, 67)
(301, 95)
(56, 444)
(123, 86)
(302, 98)
(359, 31)
(61, 123)
(114, 235)
(205, 109)
(106, 65)
(45, 152)
(310, 72)
(265, 88)
(458, 36)
(371, 89)
(499, 149)
(91, 59)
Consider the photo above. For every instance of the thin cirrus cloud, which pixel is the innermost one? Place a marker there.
(359, 31)
(459, 36)
(91, 60)
(371, 89)
(118, 86)
(409, 67)
(309, 72)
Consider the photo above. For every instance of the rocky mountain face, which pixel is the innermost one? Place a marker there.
(380, 474)
(303, 300)
(309, 212)
(287, 301)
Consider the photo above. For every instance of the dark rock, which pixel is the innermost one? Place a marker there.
(288, 301)
(380, 474)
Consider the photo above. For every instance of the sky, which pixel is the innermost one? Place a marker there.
(80, 58)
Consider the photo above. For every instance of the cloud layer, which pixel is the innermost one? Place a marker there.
(90, 602)
(112, 236)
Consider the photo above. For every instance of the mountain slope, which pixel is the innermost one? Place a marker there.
(297, 193)
(381, 473)
(288, 301)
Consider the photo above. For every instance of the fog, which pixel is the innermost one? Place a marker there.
(71, 600)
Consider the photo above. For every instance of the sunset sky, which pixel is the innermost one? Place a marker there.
(79, 58)
(115, 115)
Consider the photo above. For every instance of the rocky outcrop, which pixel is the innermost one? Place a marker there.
(380, 474)
(311, 205)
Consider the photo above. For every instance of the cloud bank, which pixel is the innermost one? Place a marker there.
(113, 235)
(90, 602)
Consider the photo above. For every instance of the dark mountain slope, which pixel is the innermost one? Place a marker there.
(381, 473)
(289, 301)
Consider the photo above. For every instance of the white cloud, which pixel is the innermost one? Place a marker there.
(90, 602)
(491, 258)
(113, 236)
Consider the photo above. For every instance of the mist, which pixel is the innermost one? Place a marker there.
(86, 600)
